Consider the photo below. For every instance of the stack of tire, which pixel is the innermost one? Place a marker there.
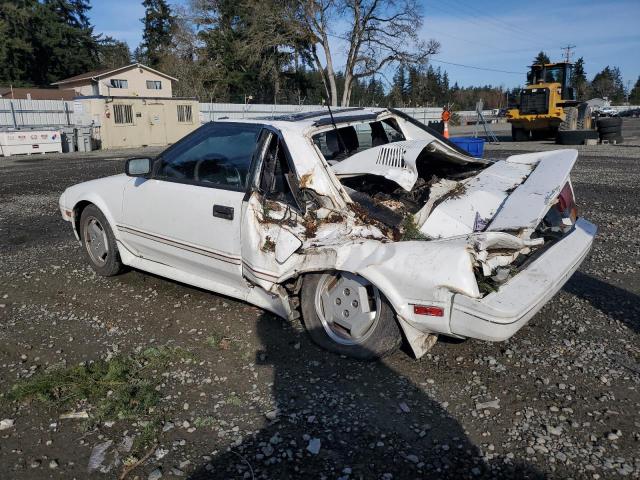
(577, 127)
(610, 129)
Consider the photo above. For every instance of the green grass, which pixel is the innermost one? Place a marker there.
(410, 230)
(123, 387)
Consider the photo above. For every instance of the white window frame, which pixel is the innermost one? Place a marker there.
(157, 84)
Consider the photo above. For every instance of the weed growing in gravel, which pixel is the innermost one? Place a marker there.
(201, 422)
(118, 388)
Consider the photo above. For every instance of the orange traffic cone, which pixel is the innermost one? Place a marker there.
(446, 130)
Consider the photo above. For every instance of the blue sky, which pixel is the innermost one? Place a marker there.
(498, 34)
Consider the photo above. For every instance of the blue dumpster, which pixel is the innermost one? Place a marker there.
(474, 146)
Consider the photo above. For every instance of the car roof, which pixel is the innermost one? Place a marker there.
(304, 120)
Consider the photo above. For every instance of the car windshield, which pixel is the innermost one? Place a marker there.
(346, 140)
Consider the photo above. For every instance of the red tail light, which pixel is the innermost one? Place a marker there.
(566, 203)
(428, 310)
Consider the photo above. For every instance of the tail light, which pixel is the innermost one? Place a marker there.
(428, 310)
(566, 203)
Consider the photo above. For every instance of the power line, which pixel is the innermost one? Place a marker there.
(476, 68)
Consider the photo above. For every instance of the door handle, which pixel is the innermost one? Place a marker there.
(222, 211)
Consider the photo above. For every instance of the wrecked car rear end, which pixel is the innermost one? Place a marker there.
(473, 248)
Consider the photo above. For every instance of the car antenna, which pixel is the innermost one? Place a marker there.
(333, 122)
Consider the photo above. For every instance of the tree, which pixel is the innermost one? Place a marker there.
(113, 53)
(541, 58)
(579, 79)
(379, 33)
(634, 95)
(158, 28)
(608, 83)
(45, 40)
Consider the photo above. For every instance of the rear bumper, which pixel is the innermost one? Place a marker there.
(499, 315)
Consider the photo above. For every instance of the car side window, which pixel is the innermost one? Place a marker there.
(217, 155)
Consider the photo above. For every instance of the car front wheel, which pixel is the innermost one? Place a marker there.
(346, 314)
(99, 243)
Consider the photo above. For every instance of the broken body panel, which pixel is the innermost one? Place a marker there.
(477, 222)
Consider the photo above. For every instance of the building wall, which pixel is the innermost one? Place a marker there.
(136, 85)
(143, 121)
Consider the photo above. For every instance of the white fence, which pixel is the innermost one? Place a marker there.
(35, 113)
(58, 113)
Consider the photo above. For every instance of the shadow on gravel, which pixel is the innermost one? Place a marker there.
(338, 416)
(613, 301)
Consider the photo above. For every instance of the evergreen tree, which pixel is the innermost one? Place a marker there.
(541, 58)
(157, 35)
(579, 79)
(113, 53)
(634, 95)
(608, 83)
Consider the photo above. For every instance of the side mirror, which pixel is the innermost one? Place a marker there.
(138, 167)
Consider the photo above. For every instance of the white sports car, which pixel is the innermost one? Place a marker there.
(364, 222)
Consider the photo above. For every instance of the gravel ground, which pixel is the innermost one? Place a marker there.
(252, 397)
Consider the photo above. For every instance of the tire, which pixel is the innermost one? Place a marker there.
(609, 130)
(519, 134)
(544, 134)
(99, 243)
(378, 333)
(575, 137)
(570, 121)
(610, 122)
(584, 117)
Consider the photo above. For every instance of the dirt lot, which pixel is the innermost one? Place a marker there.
(202, 386)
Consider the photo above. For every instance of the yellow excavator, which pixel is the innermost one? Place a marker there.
(548, 105)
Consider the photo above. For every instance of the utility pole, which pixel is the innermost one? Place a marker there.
(567, 52)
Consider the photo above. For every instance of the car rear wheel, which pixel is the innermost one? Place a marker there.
(99, 243)
(346, 314)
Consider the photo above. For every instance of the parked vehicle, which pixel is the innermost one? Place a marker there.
(607, 112)
(366, 223)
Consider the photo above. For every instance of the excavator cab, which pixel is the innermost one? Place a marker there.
(553, 73)
(548, 104)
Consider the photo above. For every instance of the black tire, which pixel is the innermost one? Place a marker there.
(608, 130)
(609, 122)
(575, 137)
(543, 134)
(584, 117)
(93, 219)
(519, 134)
(383, 338)
(570, 121)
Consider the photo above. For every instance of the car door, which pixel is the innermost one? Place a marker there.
(188, 214)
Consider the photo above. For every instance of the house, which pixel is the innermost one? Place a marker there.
(28, 93)
(135, 80)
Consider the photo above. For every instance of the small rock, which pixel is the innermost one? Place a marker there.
(53, 464)
(314, 446)
(155, 474)
(272, 414)
(161, 453)
(554, 430)
(6, 424)
(413, 458)
(404, 407)
(490, 404)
